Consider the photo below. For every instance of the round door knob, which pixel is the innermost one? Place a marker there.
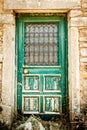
(26, 71)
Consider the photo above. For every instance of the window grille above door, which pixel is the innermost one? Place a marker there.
(41, 44)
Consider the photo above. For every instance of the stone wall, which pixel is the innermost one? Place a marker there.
(78, 38)
(78, 26)
(0, 80)
(77, 50)
(7, 63)
(1, 52)
(83, 57)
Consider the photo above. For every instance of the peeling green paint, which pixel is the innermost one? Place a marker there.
(38, 84)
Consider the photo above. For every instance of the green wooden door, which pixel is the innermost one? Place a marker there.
(41, 65)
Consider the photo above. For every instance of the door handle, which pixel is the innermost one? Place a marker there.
(26, 71)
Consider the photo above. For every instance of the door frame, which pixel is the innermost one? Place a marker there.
(62, 19)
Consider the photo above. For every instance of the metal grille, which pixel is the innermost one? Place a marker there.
(41, 46)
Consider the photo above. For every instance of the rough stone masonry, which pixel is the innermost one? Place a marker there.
(77, 51)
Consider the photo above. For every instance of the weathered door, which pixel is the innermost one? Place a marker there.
(41, 65)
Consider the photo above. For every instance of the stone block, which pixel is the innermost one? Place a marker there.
(75, 13)
(6, 114)
(1, 50)
(83, 52)
(78, 21)
(1, 57)
(1, 33)
(83, 1)
(83, 44)
(7, 18)
(0, 84)
(8, 62)
(74, 69)
(83, 92)
(0, 79)
(2, 10)
(0, 75)
(84, 5)
(83, 70)
(84, 10)
(41, 4)
(83, 83)
(83, 32)
(83, 39)
(83, 74)
(0, 66)
(83, 59)
(0, 42)
(1, 6)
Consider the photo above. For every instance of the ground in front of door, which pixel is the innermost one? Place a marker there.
(36, 123)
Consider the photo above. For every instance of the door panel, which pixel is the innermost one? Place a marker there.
(31, 83)
(30, 104)
(52, 83)
(39, 83)
(41, 65)
(52, 104)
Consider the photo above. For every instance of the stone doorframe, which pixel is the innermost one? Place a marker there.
(9, 81)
